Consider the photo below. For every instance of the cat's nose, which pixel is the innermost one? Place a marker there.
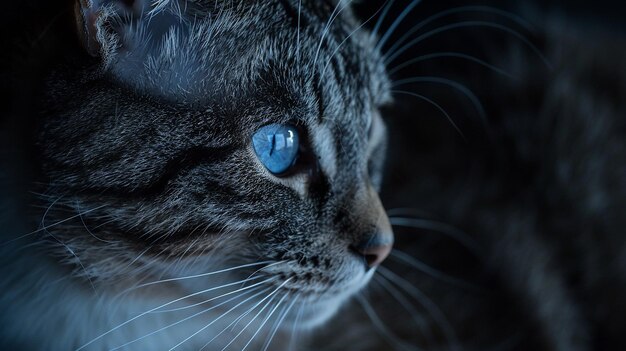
(373, 251)
(374, 243)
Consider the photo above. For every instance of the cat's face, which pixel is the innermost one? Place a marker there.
(156, 148)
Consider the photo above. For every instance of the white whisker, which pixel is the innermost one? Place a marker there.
(453, 84)
(294, 328)
(69, 249)
(389, 4)
(52, 225)
(407, 305)
(439, 227)
(396, 23)
(426, 302)
(369, 310)
(82, 220)
(346, 39)
(262, 323)
(452, 11)
(298, 32)
(243, 315)
(436, 105)
(468, 24)
(437, 274)
(331, 19)
(216, 319)
(190, 317)
(280, 319)
(215, 298)
(195, 276)
(147, 312)
(452, 55)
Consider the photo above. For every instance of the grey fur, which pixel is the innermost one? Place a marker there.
(150, 143)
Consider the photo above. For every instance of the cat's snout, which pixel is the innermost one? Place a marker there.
(375, 241)
(374, 251)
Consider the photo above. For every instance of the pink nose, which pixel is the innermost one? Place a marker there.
(373, 254)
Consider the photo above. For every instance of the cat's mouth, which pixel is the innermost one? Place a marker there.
(315, 306)
(316, 297)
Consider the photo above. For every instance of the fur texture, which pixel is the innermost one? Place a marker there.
(153, 178)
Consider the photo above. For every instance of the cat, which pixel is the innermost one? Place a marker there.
(152, 187)
(169, 221)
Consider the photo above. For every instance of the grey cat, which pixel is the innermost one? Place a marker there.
(181, 235)
(164, 218)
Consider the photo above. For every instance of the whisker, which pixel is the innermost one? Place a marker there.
(69, 249)
(380, 20)
(468, 24)
(436, 105)
(263, 323)
(218, 318)
(298, 32)
(82, 220)
(452, 55)
(52, 225)
(215, 298)
(238, 319)
(440, 227)
(192, 316)
(176, 265)
(331, 19)
(47, 28)
(453, 84)
(407, 305)
(294, 329)
(234, 323)
(427, 303)
(380, 326)
(147, 312)
(103, 224)
(435, 273)
(196, 276)
(266, 267)
(517, 19)
(346, 39)
(271, 295)
(163, 272)
(396, 23)
(143, 252)
(280, 319)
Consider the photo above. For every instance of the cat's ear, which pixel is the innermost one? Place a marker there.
(101, 23)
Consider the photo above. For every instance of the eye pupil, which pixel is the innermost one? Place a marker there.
(276, 146)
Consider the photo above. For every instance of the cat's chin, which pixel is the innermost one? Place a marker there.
(317, 312)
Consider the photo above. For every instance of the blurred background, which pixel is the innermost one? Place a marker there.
(507, 176)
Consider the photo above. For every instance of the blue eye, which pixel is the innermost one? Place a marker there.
(276, 146)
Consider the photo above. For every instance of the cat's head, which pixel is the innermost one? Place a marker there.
(206, 135)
